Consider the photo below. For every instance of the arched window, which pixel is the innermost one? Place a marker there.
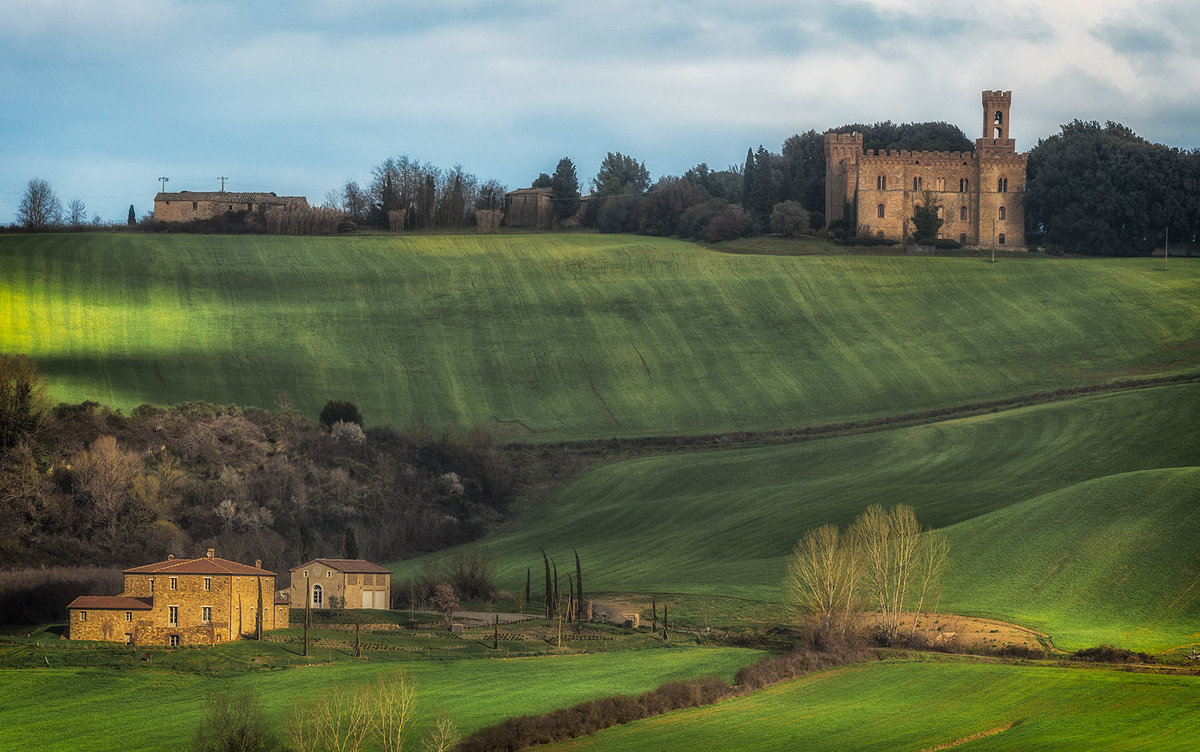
(318, 595)
(998, 119)
(917, 182)
(1003, 212)
(941, 184)
(962, 213)
(881, 183)
(964, 185)
(1002, 185)
(1001, 238)
(879, 211)
(939, 209)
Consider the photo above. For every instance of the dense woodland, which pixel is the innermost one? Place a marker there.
(87, 485)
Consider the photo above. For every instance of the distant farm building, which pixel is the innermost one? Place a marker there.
(186, 206)
(341, 583)
(181, 602)
(528, 207)
(980, 194)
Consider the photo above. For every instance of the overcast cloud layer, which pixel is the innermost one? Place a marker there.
(102, 97)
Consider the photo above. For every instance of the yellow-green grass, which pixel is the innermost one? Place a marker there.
(1113, 560)
(564, 336)
(105, 709)
(912, 706)
(723, 522)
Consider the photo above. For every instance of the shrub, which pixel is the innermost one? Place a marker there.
(730, 223)
(340, 411)
(1111, 654)
(789, 219)
(235, 723)
(946, 244)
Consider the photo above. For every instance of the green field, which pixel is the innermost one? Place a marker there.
(724, 521)
(107, 709)
(902, 706)
(548, 337)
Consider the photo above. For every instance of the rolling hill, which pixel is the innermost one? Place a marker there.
(555, 337)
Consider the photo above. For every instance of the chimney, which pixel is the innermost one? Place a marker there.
(211, 553)
(258, 563)
(170, 557)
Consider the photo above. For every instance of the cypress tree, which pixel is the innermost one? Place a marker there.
(132, 216)
(748, 179)
(548, 592)
(527, 576)
(578, 583)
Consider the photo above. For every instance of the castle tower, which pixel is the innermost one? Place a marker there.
(996, 105)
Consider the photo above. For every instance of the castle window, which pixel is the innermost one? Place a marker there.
(173, 615)
(939, 212)
(174, 640)
(917, 183)
(964, 185)
(318, 596)
(879, 234)
(1003, 213)
(879, 211)
(208, 583)
(881, 183)
(941, 184)
(128, 616)
(1001, 238)
(962, 213)
(206, 614)
(174, 583)
(999, 118)
(1002, 185)
(962, 238)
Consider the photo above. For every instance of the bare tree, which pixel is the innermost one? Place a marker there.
(235, 723)
(394, 704)
(442, 735)
(823, 576)
(338, 720)
(445, 601)
(76, 213)
(931, 560)
(39, 207)
(888, 543)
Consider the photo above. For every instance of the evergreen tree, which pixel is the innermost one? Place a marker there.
(578, 581)
(132, 216)
(564, 189)
(748, 179)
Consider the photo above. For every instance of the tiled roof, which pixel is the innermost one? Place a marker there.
(203, 565)
(230, 198)
(353, 566)
(115, 602)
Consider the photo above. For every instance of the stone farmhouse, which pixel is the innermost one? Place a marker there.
(341, 583)
(186, 206)
(528, 207)
(980, 194)
(202, 601)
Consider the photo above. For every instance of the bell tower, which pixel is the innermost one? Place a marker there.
(995, 115)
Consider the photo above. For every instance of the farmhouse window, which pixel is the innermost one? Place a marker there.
(151, 585)
(1003, 213)
(879, 211)
(208, 583)
(329, 573)
(306, 574)
(174, 583)
(128, 638)
(173, 615)
(83, 615)
(962, 212)
(128, 616)
(318, 596)
(352, 579)
(174, 640)
(206, 614)
(194, 206)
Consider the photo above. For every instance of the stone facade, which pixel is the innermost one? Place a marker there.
(202, 601)
(981, 193)
(529, 207)
(186, 206)
(348, 583)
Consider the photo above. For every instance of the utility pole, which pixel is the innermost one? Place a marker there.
(164, 183)
(223, 179)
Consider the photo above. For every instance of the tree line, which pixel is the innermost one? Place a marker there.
(1090, 189)
(84, 484)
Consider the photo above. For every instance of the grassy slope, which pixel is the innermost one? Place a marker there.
(575, 335)
(1111, 560)
(143, 710)
(723, 522)
(916, 706)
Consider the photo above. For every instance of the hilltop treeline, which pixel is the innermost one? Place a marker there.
(87, 485)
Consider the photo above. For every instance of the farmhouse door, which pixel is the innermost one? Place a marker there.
(367, 600)
(381, 600)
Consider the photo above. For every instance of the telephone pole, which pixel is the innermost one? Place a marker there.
(164, 184)
(222, 179)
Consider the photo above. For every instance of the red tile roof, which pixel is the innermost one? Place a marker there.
(115, 602)
(353, 566)
(205, 565)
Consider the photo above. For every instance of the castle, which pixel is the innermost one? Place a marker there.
(980, 195)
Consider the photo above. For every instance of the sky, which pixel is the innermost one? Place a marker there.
(103, 97)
